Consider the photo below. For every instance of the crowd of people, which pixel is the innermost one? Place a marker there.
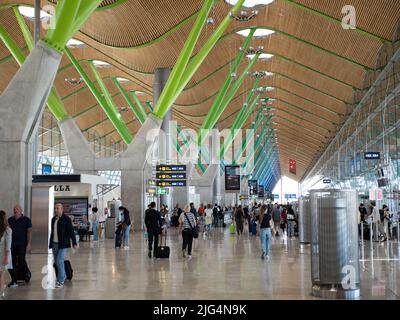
(264, 220)
(376, 223)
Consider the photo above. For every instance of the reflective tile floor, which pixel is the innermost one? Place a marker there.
(223, 266)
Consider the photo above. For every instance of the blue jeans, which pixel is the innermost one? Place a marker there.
(59, 257)
(95, 230)
(265, 236)
(126, 236)
(290, 229)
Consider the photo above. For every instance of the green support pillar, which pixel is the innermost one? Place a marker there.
(217, 109)
(235, 130)
(168, 95)
(138, 115)
(139, 105)
(54, 102)
(249, 137)
(181, 77)
(109, 110)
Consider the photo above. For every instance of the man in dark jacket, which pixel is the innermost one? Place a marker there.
(153, 222)
(21, 227)
(62, 233)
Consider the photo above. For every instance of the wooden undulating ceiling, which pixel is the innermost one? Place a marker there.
(320, 69)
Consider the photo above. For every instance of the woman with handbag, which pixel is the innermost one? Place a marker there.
(187, 224)
(125, 225)
(266, 230)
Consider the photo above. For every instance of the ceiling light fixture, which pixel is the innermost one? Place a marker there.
(74, 43)
(101, 64)
(123, 80)
(251, 3)
(140, 93)
(74, 81)
(29, 12)
(261, 74)
(259, 33)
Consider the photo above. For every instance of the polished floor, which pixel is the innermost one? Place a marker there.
(223, 266)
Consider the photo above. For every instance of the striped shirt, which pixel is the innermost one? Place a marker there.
(185, 222)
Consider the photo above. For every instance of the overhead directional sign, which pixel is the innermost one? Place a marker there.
(162, 191)
(170, 175)
(171, 183)
(372, 155)
(173, 168)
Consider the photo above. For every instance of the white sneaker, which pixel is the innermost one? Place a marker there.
(59, 285)
(189, 257)
(126, 248)
(267, 257)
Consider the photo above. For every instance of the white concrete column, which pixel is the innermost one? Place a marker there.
(21, 108)
(215, 146)
(160, 79)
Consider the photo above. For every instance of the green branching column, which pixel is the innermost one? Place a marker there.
(183, 69)
(109, 110)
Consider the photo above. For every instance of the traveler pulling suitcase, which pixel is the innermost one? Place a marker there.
(68, 269)
(162, 252)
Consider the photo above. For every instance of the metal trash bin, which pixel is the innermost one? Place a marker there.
(304, 220)
(335, 269)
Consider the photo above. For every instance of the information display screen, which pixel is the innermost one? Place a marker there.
(77, 207)
(253, 186)
(261, 193)
(163, 167)
(372, 155)
(232, 178)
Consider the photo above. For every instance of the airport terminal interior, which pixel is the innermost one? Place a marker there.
(199, 149)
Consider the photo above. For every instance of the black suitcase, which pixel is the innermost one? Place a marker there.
(24, 274)
(162, 252)
(68, 269)
(118, 237)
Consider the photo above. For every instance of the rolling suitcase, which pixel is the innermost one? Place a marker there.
(254, 228)
(68, 269)
(162, 252)
(232, 228)
(118, 237)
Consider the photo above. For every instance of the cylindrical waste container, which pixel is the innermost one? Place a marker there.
(334, 243)
(304, 220)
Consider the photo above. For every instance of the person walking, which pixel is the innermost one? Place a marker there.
(283, 223)
(102, 222)
(239, 217)
(276, 216)
(202, 218)
(125, 223)
(187, 223)
(21, 227)
(61, 235)
(208, 218)
(5, 250)
(94, 218)
(215, 215)
(153, 222)
(266, 230)
(376, 222)
(291, 219)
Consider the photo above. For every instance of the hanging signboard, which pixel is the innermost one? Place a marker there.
(232, 178)
(372, 155)
(261, 193)
(253, 187)
(292, 166)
